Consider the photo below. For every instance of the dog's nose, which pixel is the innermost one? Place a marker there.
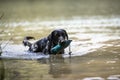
(61, 39)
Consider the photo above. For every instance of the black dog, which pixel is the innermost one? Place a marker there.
(44, 45)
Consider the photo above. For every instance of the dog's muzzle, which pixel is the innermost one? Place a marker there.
(61, 39)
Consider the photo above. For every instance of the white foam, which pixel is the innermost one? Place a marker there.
(76, 22)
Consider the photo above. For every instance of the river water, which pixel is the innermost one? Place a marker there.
(94, 31)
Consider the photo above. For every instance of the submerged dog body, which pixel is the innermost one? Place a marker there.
(44, 45)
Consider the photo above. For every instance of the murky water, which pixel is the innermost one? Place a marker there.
(94, 29)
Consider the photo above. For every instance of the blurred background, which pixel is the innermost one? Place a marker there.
(56, 9)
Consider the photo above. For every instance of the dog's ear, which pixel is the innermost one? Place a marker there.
(66, 35)
(51, 36)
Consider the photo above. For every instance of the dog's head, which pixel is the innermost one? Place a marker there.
(58, 36)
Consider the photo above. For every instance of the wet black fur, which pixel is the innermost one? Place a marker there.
(44, 45)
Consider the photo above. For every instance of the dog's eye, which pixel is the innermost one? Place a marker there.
(57, 35)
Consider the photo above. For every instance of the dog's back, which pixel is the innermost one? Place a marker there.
(38, 46)
(41, 45)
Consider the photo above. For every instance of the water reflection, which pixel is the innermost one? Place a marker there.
(42, 69)
(88, 67)
(2, 70)
(57, 66)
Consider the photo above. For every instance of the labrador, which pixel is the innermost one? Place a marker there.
(44, 45)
